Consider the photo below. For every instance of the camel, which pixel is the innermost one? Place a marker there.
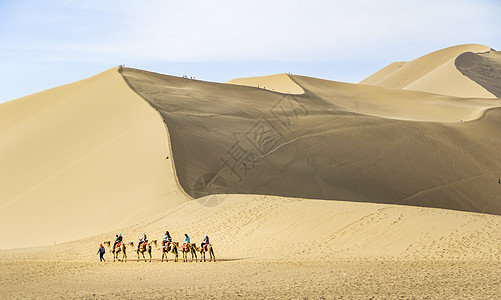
(146, 248)
(120, 248)
(210, 250)
(190, 248)
(172, 247)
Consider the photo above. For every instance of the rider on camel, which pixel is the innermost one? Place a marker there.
(142, 240)
(118, 240)
(167, 239)
(205, 242)
(186, 240)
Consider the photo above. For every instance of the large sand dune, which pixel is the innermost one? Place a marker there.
(79, 160)
(336, 141)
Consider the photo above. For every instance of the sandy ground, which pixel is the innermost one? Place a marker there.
(249, 278)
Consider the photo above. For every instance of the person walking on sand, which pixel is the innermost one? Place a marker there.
(101, 252)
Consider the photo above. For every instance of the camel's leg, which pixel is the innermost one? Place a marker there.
(212, 256)
(149, 252)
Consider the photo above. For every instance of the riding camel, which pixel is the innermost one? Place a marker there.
(208, 249)
(170, 247)
(120, 247)
(189, 248)
(142, 249)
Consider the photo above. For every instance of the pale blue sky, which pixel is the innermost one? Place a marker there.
(44, 44)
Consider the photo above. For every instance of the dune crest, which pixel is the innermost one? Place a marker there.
(280, 83)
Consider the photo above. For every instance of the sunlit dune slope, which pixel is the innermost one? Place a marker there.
(336, 141)
(269, 227)
(434, 73)
(81, 159)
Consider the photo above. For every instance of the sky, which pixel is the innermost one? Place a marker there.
(44, 44)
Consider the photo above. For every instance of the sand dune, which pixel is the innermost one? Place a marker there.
(281, 83)
(433, 73)
(80, 159)
(337, 141)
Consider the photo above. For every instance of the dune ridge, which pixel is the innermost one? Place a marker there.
(280, 83)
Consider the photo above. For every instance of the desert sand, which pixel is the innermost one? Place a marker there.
(308, 188)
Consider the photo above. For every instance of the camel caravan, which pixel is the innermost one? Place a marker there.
(144, 247)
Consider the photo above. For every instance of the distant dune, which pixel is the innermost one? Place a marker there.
(130, 150)
(281, 83)
(433, 73)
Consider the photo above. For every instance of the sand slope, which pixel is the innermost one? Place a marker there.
(79, 160)
(337, 141)
(434, 73)
(270, 227)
